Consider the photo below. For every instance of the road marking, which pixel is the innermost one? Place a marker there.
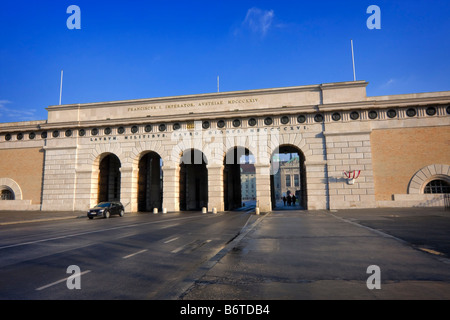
(381, 233)
(59, 281)
(134, 254)
(178, 249)
(168, 241)
(436, 253)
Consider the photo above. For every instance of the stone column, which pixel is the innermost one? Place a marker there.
(263, 192)
(171, 188)
(215, 187)
(128, 189)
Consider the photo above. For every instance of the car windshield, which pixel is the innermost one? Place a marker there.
(103, 205)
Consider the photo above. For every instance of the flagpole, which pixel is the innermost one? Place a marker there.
(353, 59)
(60, 88)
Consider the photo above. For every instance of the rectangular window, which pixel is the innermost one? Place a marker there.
(296, 180)
(288, 181)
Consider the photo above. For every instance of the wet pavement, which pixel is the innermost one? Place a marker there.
(326, 255)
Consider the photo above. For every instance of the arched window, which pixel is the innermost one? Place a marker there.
(423, 180)
(437, 187)
(6, 194)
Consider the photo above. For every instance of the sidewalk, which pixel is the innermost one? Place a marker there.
(16, 217)
(20, 217)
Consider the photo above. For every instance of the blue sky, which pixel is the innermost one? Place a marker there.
(144, 49)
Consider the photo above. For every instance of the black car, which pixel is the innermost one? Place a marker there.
(106, 209)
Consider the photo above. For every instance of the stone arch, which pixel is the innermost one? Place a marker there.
(143, 148)
(11, 185)
(427, 174)
(295, 140)
(103, 150)
(194, 156)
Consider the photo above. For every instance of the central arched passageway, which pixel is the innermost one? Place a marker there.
(288, 178)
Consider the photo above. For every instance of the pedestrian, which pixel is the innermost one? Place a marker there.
(289, 199)
(284, 200)
(293, 200)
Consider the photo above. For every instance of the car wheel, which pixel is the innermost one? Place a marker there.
(90, 218)
(107, 214)
(121, 213)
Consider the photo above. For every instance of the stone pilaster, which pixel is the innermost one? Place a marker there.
(317, 185)
(263, 194)
(128, 189)
(215, 187)
(171, 188)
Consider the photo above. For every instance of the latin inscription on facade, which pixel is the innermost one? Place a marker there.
(193, 104)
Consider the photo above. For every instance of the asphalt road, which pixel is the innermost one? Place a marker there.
(282, 255)
(135, 257)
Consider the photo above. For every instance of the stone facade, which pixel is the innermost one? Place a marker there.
(335, 127)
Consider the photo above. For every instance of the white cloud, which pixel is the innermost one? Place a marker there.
(388, 83)
(259, 21)
(15, 114)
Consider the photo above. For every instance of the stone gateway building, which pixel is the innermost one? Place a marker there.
(185, 152)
